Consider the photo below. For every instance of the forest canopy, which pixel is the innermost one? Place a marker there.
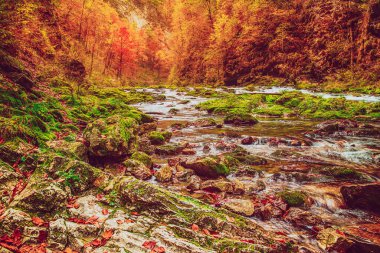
(221, 42)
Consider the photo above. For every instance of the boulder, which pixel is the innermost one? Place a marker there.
(240, 206)
(206, 122)
(362, 196)
(194, 183)
(41, 197)
(207, 167)
(219, 185)
(73, 149)
(144, 158)
(111, 137)
(147, 128)
(240, 119)
(183, 174)
(169, 149)
(302, 218)
(164, 174)
(137, 169)
(344, 127)
(248, 140)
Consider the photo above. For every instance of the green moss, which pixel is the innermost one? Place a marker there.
(143, 157)
(156, 138)
(293, 198)
(343, 173)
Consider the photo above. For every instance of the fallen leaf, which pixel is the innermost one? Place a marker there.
(206, 232)
(107, 234)
(149, 244)
(99, 196)
(195, 227)
(119, 222)
(135, 213)
(38, 221)
(129, 221)
(158, 250)
(105, 211)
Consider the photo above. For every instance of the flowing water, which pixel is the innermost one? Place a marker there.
(359, 153)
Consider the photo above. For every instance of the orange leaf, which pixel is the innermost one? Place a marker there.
(119, 222)
(105, 211)
(195, 227)
(135, 213)
(107, 234)
(38, 221)
(129, 221)
(158, 250)
(99, 196)
(206, 232)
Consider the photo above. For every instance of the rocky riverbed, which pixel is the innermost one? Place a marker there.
(176, 178)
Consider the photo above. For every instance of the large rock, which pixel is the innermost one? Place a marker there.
(17, 150)
(41, 197)
(164, 174)
(344, 127)
(137, 169)
(111, 137)
(354, 239)
(240, 206)
(302, 218)
(207, 167)
(218, 186)
(240, 119)
(74, 149)
(169, 149)
(362, 196)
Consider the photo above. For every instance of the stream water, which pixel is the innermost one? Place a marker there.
(359, 153)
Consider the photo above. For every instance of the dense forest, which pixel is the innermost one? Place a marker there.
(189, 126)
(198, 41)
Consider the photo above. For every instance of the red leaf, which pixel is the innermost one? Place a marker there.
(119, 222)
(99, 196)
(195, 227)
(149, 244)
(129, 221)
(158, 250)
(105, 211)
(42, 236)
(135, 213)
(206, 232)
(92, 220)
(340, 232)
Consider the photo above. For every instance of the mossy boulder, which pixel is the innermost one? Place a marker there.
(206, 122)
(137, 169)
(8, 179)
(244, 157)
(17, 150)
(207, 167)
(41, 196)
(240, 119)
(294, 198)
(114, 136)
(169, 149)
(143, 157)
(159, 138)
(73, 149)
(342, 173)
(156, 138)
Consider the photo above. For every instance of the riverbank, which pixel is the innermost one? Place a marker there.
(144, 170)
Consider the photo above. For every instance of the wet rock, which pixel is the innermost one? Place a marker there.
(206, 148)
(248, 140)
(164, 174)
(345, 127)
(144, 158)
(206, 122)
(346, 174)
(173, 111)
(184, 174)
(111, 137)
(174, 161)
(188, 151)
(302, 218)
(41, 197)
(147, 128)
(303, 168)
(362, 196)
(169, 149)
(246, 158)
(294, 177)
(137, 169)
(240, 119)
(73, 149)
(249, 188)
(207, 167)
(145, 146)
(218, 186)
(247, 171)
(194, 183)
(269, 208)
(240, 206)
